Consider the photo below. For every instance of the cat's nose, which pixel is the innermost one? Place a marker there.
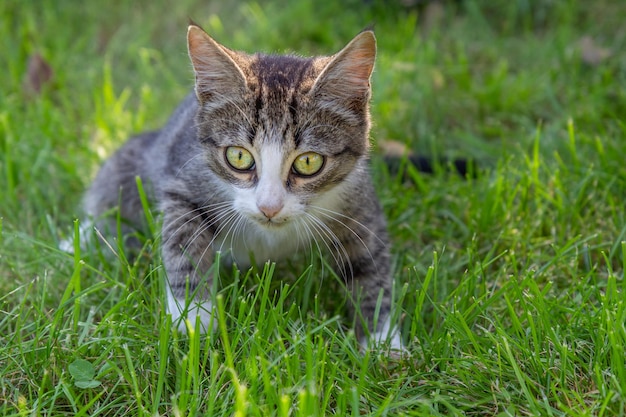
(270, 210)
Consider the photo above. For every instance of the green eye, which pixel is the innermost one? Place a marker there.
(239, 158)
(308, 163)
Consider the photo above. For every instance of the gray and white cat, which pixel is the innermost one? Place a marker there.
(269, 156)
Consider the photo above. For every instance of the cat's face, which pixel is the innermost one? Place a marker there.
(283, 133)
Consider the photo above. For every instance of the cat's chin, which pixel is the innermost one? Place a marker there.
(271, 223)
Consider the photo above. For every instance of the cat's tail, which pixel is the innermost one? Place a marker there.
(397, 158)
(464, 167)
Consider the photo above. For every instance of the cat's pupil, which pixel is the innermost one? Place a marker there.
(308, 164)
(239, 158)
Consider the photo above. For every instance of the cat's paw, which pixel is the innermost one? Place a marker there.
(195, 315)
(390, 345)
(67, 244)
(387, 337)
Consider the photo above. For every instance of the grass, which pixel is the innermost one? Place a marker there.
(511, 285)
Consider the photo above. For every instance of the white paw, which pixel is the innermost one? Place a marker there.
(194, 312)
(67, 245)
(386, 336)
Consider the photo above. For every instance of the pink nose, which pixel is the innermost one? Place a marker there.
(270, 210)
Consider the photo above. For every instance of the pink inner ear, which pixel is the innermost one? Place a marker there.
(204, 52)
(216, 72)
(359, 68)
(348, 73)
(361, 59)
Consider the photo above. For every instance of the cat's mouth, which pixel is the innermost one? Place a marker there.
(272, 222)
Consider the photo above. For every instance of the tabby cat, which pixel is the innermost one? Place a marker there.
(269, 156)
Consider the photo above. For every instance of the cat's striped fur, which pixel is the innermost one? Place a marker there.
(304, 124)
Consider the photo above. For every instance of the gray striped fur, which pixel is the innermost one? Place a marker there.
(277, 108)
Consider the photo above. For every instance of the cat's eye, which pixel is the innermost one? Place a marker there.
(239, 158)
(308, 164)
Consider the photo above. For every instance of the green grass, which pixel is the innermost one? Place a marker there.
(511, 285)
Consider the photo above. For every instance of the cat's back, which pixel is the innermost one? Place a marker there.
(177, 135)
(151, 156)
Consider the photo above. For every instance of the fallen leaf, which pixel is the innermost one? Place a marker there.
(591, 53)
(433, 15)
(87, 384)
(38, 73)
(83, 372)
(393, 148)
(439, 81)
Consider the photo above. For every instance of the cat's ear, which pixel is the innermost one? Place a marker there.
(347, 74)
(218, 76)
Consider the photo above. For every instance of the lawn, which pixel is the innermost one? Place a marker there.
(511, 283)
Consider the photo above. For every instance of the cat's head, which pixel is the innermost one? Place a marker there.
(284, 132)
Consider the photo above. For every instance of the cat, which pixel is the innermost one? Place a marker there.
(268, 155)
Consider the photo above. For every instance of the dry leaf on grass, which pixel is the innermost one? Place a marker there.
(591, 53)
(393, 148)
(433, 16)
(38, 73)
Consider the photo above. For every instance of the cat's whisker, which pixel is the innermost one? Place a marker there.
(346, 265)
(242, 226)
(316, 233)
(225, 222)
(229, 215)
(333, 215)
(313, 239)
(299, 240)
(190, 160)
(325, 212)
(205, 225)
(340, 254)
(233, 224)
(185, 257)
(302, 240)
(203, 210)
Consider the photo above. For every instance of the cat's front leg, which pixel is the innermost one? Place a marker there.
(187, 258)
(368, 269)
(375, 305)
